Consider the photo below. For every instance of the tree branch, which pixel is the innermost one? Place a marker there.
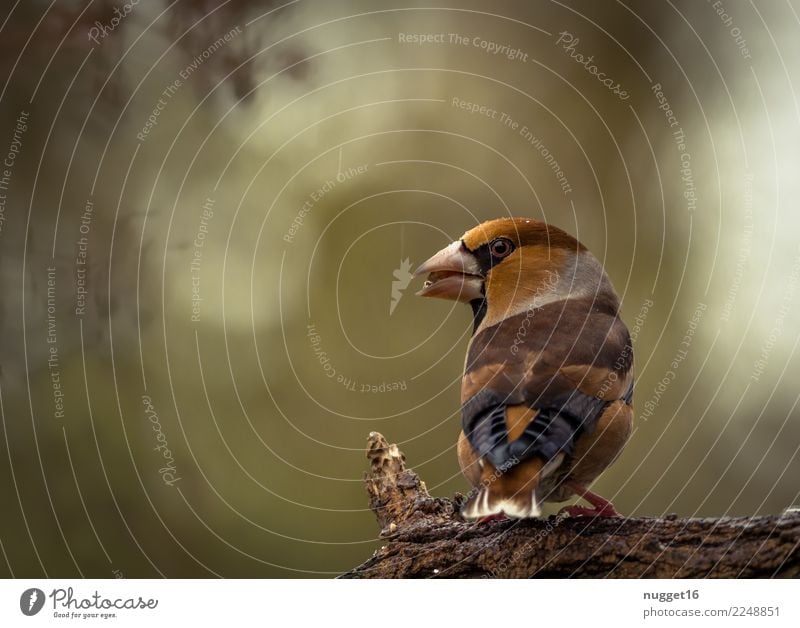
(426, 537)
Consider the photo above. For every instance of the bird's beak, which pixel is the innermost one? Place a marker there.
(454, 274)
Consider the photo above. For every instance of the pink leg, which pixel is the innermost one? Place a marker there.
(602, 507)
(498, 517)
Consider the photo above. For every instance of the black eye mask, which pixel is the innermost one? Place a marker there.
(487, 259)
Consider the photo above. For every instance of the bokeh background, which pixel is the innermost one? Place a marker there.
(204, 206)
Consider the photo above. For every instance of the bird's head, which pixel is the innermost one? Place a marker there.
(509, 265)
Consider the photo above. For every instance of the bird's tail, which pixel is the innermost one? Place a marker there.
(512, 493)
(487, 503)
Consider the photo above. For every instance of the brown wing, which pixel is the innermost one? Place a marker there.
(568, 360)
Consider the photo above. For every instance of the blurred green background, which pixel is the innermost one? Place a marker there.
(185, 140)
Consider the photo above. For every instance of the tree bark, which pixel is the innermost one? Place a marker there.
(426, 537)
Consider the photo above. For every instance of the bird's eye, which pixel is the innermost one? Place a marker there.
(501, 247)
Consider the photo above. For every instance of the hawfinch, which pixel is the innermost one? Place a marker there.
(548, 380)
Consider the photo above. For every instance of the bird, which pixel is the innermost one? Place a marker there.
(547, 390)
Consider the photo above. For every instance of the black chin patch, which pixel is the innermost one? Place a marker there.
(478, 313)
